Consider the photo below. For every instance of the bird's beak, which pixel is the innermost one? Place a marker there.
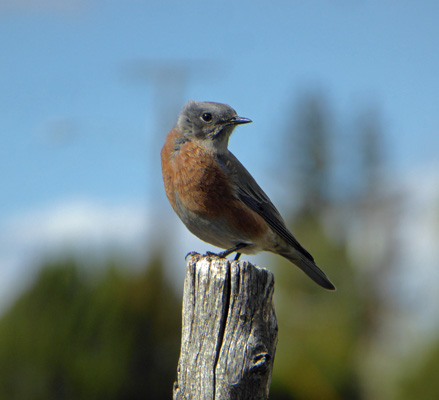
(238, 121)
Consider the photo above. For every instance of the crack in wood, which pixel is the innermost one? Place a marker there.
(223, 323)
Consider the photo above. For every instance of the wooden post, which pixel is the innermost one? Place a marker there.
(229, 331)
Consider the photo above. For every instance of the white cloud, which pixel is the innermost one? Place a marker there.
(419, 250)
(76, 225)
(409, 227)
(79, 221)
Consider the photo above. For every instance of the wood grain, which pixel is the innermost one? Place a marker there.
(229, 331)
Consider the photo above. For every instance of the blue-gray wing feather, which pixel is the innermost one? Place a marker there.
(251, 194)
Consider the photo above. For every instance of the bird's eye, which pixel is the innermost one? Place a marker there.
(207, 117)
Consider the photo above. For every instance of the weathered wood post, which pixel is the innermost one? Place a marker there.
(229, 331)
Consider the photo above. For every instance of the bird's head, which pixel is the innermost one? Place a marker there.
(209, 123)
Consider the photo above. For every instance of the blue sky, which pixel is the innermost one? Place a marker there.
(78, 124)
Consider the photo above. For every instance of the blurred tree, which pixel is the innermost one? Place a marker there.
(308, 151)
(318, 331)
(72, 337)
(336, 345)
(373, 231)
(370, 151)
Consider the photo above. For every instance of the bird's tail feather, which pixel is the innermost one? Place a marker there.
(310, 268)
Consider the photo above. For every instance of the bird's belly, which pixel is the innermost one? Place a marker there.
(220, 231)
(212, 229)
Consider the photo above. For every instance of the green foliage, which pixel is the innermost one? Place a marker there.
(321, 334)
(318, 330)
(74, 337)
(421, 382)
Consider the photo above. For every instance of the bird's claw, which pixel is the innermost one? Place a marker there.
(191, 254)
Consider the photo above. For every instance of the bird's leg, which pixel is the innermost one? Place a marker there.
(225, 253)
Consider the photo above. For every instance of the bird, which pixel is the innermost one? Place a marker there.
(217, 198)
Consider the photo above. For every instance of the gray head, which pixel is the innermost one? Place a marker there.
(211, 123)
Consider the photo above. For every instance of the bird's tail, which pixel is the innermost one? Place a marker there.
(308, 266)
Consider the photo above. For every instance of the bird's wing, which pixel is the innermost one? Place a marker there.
(250, 193)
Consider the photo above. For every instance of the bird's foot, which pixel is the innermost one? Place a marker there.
(227, 252)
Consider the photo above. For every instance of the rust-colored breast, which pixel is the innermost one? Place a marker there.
(167, 155)
(200, 186)
(191, 175)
